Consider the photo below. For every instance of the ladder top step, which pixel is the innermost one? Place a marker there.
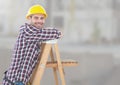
(50, 41)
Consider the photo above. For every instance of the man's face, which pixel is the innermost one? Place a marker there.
(37, 20)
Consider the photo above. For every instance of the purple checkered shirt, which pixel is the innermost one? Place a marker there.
(26, 51)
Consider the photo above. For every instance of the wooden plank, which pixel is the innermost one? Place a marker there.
(41, 65)
(64, 64)
(54, 68)
(60, 68)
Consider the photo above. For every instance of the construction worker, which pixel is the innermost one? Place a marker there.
(27, 47)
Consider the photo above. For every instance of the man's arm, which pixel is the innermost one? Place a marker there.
(42, 35)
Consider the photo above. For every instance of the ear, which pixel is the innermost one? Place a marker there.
(30, 17)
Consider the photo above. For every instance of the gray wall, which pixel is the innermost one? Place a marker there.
(91, 36)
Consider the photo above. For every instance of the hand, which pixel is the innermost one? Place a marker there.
(61, 34)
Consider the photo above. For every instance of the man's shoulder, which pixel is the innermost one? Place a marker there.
(24, 25)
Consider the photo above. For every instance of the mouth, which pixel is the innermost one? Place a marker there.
(39, 24)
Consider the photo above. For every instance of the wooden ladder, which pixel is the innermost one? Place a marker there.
(50, 48)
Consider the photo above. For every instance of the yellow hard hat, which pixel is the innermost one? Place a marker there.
(36, 9)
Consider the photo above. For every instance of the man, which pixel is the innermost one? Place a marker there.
(27, 47)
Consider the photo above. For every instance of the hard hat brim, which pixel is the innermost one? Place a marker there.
(28, 15)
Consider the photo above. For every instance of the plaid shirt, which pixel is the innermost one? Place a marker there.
(26, 51)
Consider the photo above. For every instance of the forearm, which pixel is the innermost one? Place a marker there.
(43, 35)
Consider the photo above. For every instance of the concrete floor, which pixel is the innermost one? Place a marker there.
(93, 69)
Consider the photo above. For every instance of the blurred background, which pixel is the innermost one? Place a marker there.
(91, 31)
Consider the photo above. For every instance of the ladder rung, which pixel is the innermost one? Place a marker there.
(64, 63)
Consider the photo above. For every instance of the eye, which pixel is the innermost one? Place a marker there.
(41, 18)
